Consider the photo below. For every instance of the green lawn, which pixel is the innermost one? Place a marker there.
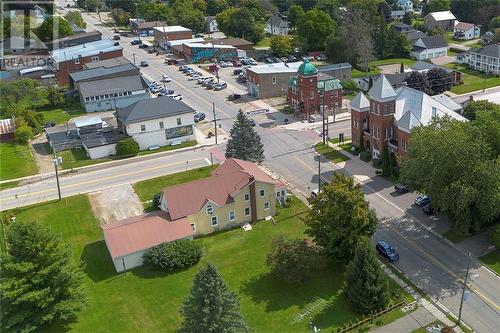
(61, 116)
(148, 188)
(356, 73)
(77, 158)
(264, 43)
(330, 153)
(455, 235)
(492, 260)
(146, 301)
(473, 80)
(167, 148)
(16, 161)
(373, 65)
(346, 147)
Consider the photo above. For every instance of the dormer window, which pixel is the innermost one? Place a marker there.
(210, 209)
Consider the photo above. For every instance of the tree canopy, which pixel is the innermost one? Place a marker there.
(39, 283)
(472, 108)
(241, 22)
(313, 28)
(281, 45)
(76, 18)
(52, 28)
(244, 143)
(340, 217)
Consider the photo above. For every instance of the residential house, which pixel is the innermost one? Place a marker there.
(402, 27)
(414, 35)
(239, 43)
(72, 59)
(406, 5)
(429, 47)
(157, 121)
(444, 20)
(424, 67)
(104, 69)
(277, 24)
(466, 31)
(311, 92)
(236, 193)
(211, 24)
(341, 71)
(484, 59)
(112, 93)
(143, 28)
(199, 52)
(165, 34)
(270, 80)
(387, 116)
(7, 130)
(397, 15)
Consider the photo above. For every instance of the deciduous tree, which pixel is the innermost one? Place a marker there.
(281, 45)
(440, 80)
(436, 6)
(244, 143)
(76, 18)
(120, 16)
(474, 107)
(53, 27)
(419, 81)
(295, 12)
(340, 216)
(215, 7)
(366, 285)
(39, 283)
(313, 28)
(211, 307)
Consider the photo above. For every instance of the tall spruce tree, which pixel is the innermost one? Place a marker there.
(39, 284)
(386, 162)
(212, 307)
(367, 287)
(244, 143)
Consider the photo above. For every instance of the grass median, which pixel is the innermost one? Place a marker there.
(330, 153)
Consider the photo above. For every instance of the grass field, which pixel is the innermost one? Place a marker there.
(77, 158)
(16, 161)
(167, 148)
(492, 260)
(330, 153)
(146, 301)
(373, 65)
(61, 116)
(454, 235)
(264, 43)
(473, 80)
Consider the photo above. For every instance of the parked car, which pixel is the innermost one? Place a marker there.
(49, 124)
(387, 251)
(171, 61)
(237, 71)
(233, 97)
(151, 50)
(166, 78)
(123, 34)
(241, 80)
(220, 86)
(422, 200)
(236, 63)
(245, 62)
(144, 63)
(204, 78)
(211, 85)
(401, 188)
(252, 122)
(208, 82)
(177, 97)
(427, 209)
(194, 77)
(136, 42)
(116, 37)
(284, 59)
(199, 117)
(314, 193)
(143, 46)
(253, 62)
(292, 59)
(268, 60)
(181, 68)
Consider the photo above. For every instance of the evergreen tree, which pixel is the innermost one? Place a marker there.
(366, 288)
(244, 143)
(408, 18)
(39, 283)
(402, 68)
(440, 80)
(386, 163)
(419, 81)
(211, 307)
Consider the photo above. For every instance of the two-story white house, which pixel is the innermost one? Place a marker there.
(429, 47)
(277, 25)
(211, 24)
(483, 59)
(466, 31)
(157, 122)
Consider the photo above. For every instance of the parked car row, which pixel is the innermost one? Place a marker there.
(156, 88)
(422, 200)
(271, 60)
(206, 81)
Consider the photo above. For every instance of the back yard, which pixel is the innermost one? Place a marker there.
(473, 80)
(17, 161)
(146, 301)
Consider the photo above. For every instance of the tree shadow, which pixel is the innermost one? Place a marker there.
(98, 263)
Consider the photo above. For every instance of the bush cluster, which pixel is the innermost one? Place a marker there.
(177, 254)
(365, 156)
(495, 235)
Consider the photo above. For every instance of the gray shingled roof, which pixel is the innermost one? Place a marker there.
(434, 42)
(492, 50)
(414, 34)
(111, 86)
(382, 89)
(423, 65)
(330, 67)
(99, 72)
(152, 109)
(360, 101)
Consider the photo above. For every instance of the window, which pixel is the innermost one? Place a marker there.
(94, 59)
(266, 205)
(143, 128)
(247, 211)
(106, 96)
(77, 61)
(262, 193)
(213, 221)
(179, 122)
(87, 99)
(161, 124)
(210, 209)
(92, 98)
(274, 80)
(193, 226)
(232, 215)
(311, 94)
(247, 196)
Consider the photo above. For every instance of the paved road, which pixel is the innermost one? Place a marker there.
(433, 264)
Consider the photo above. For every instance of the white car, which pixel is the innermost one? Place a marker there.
(194, 77)
(166, 78)
(177, 97)
(202, 79)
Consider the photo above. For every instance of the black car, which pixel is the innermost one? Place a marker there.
(233, 97)
(241, 80)
(427, 209)
(252, 122)
(401, 188)
(136, 42)
(49, 124)
(116, 37)
(237, 71)
(199, 117)
(387, 251)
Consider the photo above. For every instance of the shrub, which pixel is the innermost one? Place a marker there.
(24, 134)
(495, 235)
(177, 254)
(377, 163)
(287, 110)
(127, 147)
(365, 156)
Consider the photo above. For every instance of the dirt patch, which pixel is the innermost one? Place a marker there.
(116, 203)
(390, 69)
(43, 154)
(443, 60)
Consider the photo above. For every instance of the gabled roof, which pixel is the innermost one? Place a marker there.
(360, 101)
(442, 16)
(433, 42)
(424, 65)
(152, 108)
(492, 50)
(111, 86)
(95, 73)
(448, 102)
(382, 89)
(277, 20)
(233, 42)
(463, 26)
(227, 180)
(414, 34)
(143, 232)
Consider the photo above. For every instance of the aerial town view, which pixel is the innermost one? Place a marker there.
(265, 166)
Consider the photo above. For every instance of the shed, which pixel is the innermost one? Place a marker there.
(7, 130)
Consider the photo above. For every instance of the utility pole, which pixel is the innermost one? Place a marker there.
(215, 122)
(463, 290)
(133, 55)
(56, 162)
(319, 173)
(486, 74)
(324, 124)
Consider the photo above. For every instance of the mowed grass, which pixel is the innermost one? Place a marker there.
(264, 43)
(16, 161)
(373, 65)
(61, 116)
(77, 158)
(184, 144)
(473, 80)
(492, 260)
(330, 153)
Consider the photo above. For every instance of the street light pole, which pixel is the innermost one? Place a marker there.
(215, 121)
(56, 162)
(319, 172)
(463, 289)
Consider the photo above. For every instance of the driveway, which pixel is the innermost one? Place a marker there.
(115, 203)
(443, 60)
